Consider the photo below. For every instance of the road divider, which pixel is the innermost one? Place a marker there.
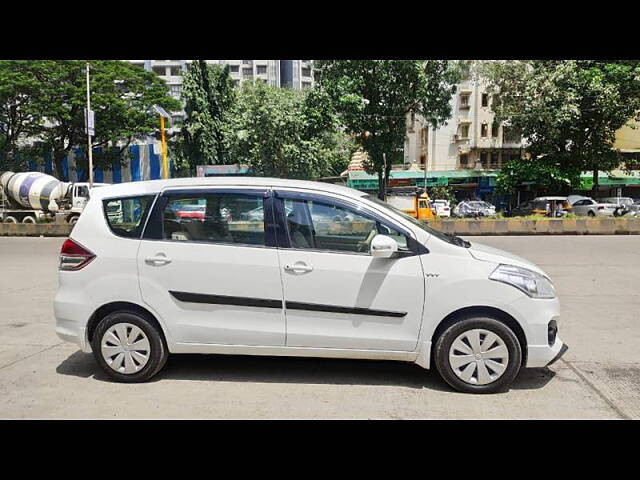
(35, 229)
(543, 226)
(507, 226)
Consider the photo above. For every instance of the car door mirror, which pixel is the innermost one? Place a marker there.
(383, 246)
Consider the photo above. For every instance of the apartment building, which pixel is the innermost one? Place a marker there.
(471, 139)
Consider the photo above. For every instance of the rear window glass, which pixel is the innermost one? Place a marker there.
(126, 216)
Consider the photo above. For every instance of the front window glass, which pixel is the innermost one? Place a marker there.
(126, 216)
(452, 239)
(322, 226)
(215, 218)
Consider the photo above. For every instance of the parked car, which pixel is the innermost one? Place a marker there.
(588, 206)
(443, 208)
(474, 208)
(381, 285)
(549, 206)
(626, 205)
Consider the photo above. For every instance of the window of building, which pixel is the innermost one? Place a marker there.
(495, 129)
(247, 72)
(423, 137)
(261, 69)
(484, 159)
(322, 226)
(175, 90)
(246, 62)
(485, 99)
(306, 84)
(464, 131)
(234, 68)
(464, 100)
(511, 135)
(494, 159)
(464, 159)
(236, 83)
(175, 71)
(162, 71)
(215, 218)
(306, 72)
(484, 130)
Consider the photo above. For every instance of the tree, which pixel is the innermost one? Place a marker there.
(373, 98)
(20, 112)
(285, 133)
(209, 95)
(122, 95)
(568, 111)
(541, 175)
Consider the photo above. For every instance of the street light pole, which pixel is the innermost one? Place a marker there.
(89, 146)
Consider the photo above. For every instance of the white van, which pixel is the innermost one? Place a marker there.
(325, 271)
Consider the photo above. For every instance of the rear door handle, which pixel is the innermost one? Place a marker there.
(298, 267)
(157, 260)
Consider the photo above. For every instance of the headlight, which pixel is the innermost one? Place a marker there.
(530, 282)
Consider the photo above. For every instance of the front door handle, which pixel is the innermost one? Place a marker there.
(159, 259)
(298, 267)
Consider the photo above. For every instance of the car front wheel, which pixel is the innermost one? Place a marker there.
(478, 355)
(128, 347)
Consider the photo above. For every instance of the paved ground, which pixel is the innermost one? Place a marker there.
(598, 280)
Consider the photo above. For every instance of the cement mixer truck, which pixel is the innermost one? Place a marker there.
(34, 197)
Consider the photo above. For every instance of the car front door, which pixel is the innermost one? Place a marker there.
(336, 294)
(213, 277)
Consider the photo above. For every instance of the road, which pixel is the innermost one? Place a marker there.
(597, 278)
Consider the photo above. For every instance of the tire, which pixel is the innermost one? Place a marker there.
(29, 219)
(498, 381)
(10, 219)
(156, 353)
(591, 213)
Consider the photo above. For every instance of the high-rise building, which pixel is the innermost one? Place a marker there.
(296, 74)
(471, 139)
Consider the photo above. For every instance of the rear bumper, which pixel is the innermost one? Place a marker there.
(69, 327)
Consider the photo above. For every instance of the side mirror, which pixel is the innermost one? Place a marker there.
(383, 246)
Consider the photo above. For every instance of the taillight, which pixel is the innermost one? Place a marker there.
(74, 256)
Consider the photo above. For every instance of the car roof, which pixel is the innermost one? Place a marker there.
(156, 186)
(549, 198)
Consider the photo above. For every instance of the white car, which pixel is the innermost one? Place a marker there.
(379, 285)
(443, 208)
(589, 207)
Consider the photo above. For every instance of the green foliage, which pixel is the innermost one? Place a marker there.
(285, 133)
(20, 113)
(375, 96)
(52, 96)
(442, 192)
(569, 111)
(556, 178)
(209, 95)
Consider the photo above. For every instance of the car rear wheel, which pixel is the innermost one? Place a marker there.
(591, 213)
(128, 347)
(478, 355)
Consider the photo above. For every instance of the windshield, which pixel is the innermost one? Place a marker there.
(445, 237)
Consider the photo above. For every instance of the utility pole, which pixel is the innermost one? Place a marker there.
(89, 127)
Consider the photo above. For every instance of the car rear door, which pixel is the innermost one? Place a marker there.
(213, 279)
(336, 294)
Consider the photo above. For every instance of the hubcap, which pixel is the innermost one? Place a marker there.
(125, 348)
(478, 356)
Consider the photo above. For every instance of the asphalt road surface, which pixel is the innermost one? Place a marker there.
(597, 278)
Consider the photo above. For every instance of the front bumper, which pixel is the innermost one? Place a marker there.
(562, 351)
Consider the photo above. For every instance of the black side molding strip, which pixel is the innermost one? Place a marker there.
(266, 303)
(226, 300)
(314, 307)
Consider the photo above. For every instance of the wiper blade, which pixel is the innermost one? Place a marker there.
(461, 242)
